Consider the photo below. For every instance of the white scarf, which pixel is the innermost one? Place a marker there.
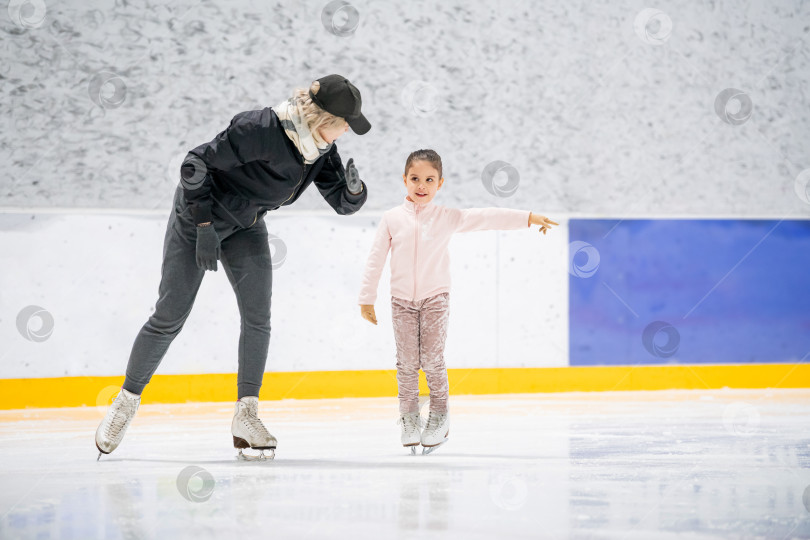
(310, 144)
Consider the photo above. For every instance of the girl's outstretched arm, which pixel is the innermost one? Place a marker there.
(544, 222)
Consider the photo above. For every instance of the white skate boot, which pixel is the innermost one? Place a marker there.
(410, 431)
(436, 432)
(249, 432)
(111, 431)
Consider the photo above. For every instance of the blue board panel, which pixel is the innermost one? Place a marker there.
(689, 291)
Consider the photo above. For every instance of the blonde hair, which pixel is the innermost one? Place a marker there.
(316, 117)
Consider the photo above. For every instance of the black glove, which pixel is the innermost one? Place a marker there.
(353, 181)
(207, 247)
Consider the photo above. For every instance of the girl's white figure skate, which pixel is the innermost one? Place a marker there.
(249, 433)
(436, 432)
(410, 431)
(111, 431)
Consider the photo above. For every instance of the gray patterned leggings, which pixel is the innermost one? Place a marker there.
(420, 331)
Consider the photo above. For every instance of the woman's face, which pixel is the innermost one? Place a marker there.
(331, 134)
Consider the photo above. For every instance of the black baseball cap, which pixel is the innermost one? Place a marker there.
(341, 98)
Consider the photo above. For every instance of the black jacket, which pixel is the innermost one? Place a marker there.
(253, 167)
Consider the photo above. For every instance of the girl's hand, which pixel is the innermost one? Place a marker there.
(367, 312)
(544, 222)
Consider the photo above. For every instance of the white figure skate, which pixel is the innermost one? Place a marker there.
(249, 433)
(111, 431)
(436, 432)
(410, 431)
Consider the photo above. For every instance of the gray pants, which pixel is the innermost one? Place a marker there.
(245, 256)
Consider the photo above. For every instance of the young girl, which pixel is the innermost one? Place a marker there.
(418, 234)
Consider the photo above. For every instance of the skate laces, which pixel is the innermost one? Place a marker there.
(253, 422)
(410, 422)
(122, 413)
(434, 421)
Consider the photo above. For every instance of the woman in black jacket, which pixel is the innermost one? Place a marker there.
(264, 159)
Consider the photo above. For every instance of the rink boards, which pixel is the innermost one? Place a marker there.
(596, 305)
(99, 391)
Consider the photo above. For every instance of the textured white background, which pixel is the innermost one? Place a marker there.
(594, 119)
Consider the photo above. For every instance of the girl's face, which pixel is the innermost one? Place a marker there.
(422, 182)
(331, 134)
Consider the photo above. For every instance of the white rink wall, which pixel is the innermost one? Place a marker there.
(97, 274)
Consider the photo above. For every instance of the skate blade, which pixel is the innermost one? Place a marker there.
(430, 449)
(256, 454)
(411, 447)
(100, 453)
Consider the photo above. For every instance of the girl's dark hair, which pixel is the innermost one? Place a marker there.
(425, 155)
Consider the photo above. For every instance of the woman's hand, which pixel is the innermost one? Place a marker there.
(367, 312)
(208, 247)
(543, 221)
(353, 181)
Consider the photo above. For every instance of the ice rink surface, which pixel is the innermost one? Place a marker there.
(668, 464)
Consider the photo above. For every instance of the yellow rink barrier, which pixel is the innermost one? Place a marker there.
(97, 391)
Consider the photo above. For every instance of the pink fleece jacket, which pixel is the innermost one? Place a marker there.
(418, 237)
